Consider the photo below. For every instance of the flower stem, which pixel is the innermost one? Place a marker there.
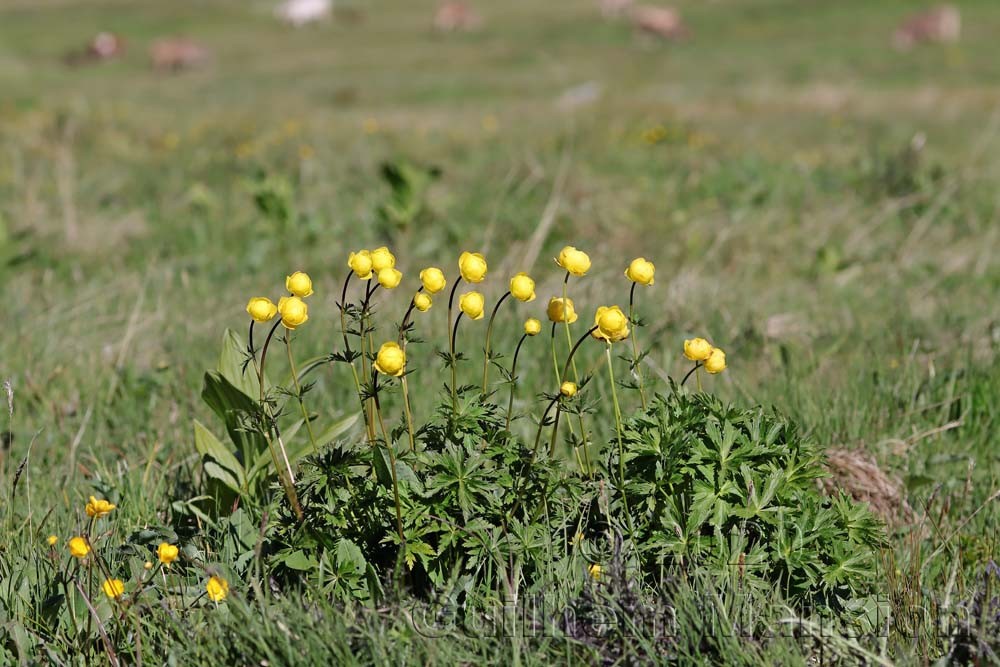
(406, 392)
(451, 347)
(636, 364)
(697, 365)
(621, 446)
(392, 458)
(513, 380)
(298, 392)
(489, 335)
(347, 348)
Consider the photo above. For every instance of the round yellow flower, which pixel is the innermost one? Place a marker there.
(167, 553)
(217, 588)
(522, 287)
(595, 572)
(389, 277)
(432, 278)
(561, 310)
(294, 311)
(390, 360)
(299, 284)
(532, 327)
(472, 266)
(575, 261)
(422, 302)
(472, 304)
(697, 349)
(113, 588)
(716, 362)
(52, 540)
(148, 565)
(640, 271)
(361, 263)
(382, 259)
(261, 309)
(79, 547)
(568, 389)
(98, 508)
(612, 324)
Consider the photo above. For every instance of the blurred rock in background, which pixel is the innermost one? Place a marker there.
(662, 22)
(938, 25)
(173, 54)
(299, 13)
(104, 46)
(456, 17)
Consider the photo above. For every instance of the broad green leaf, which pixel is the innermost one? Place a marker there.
(209, 446)
(233, 362)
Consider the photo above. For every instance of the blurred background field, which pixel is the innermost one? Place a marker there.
(820, 204)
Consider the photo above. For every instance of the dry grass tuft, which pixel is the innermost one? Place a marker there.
(858, 474)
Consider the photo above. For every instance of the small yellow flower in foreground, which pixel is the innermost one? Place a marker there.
(716, 362)
(640, 271)
(532, 327)
(472, 266)
(79, 547)
(389, 277)
(697, 349)
(472, 304)
(522, 287)
(575, 261)
(98, 508)
(148, 565)
(432, 278)
(361, 263)
(558, 311)
(52, 540)
(568, 389)
(217, 589)
(612, 324)
(299, 284)
(382, 259)
(113, 588)
(261, 309)
(390, 360)
(595, 572)
(422, 302)
(167, 553)
(294, 311)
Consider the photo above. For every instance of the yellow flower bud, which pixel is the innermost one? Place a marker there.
(568, 389)
(561, 310)
(522, 287)
(432, 278)
(612, 324)
(472, 304)
(575, 261)
(148, 565)
(422, 302)
(595, 572)
(79, 547)
(716, 362)
(532, 327)
(390, 360)
(640, 271)
(382, 259)
(217, 588)
(167, 553)
(472, 266)
(389, 277)
(294, 312)
(98, 508)
(52, 540)
(299, 284)
(261, 309)
(697, 349)
(113, 588)
(361, 263)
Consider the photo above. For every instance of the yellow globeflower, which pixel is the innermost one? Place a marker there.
(390, 360)
(361, 263)
(299, 284)
(422, 302)
(532, 327)
(568, 389)
(595, 572)
(575, 261)
(217, 588)
(561, 310)
(113, 588)
(261, 309)
(472, 266)
(522, 287)
(640, 271)
(167, 553)
(612, 324)
(148, 565)
(294, 311)
(52, 540)
(697, 349)
(98, 508)
(432, 278)
(472, 304)
(716, 362)
(382, 259)
(79, 547)
(389, 277)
